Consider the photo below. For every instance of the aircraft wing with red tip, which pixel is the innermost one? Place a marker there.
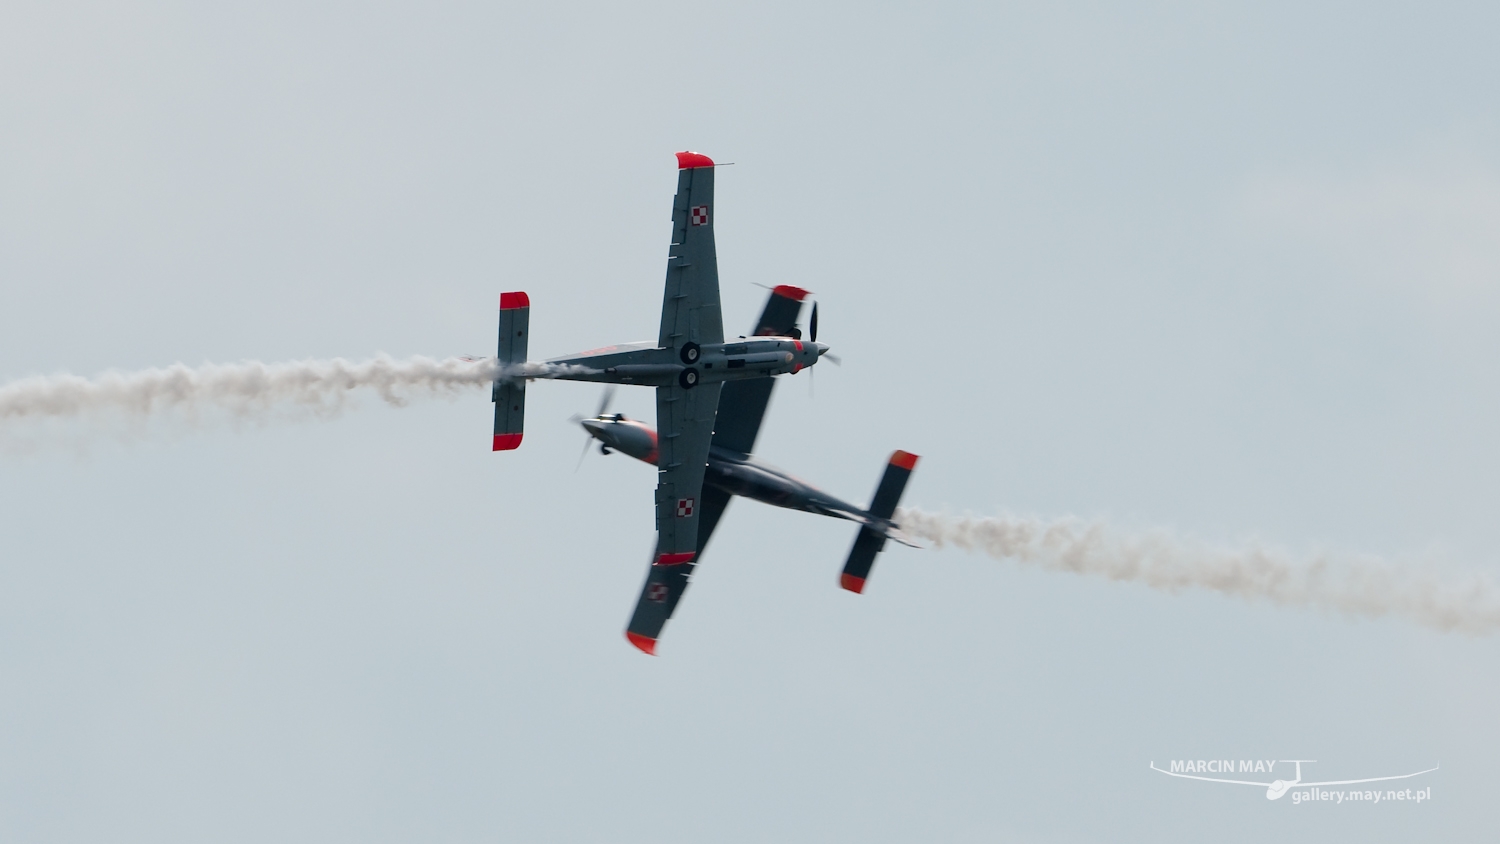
(742, 406)
(666, 583)
(690, 304)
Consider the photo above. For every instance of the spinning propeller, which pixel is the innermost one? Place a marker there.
(812, 334)
(604, 400)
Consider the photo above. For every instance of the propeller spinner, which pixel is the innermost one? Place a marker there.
(604, 400)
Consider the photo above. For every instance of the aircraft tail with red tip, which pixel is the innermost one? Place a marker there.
(871, 539)
(509, 394)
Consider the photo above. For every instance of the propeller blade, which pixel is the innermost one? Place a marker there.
(833, 359)
(812, 324)
(604, 400)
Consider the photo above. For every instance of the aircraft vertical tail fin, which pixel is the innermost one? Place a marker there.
(509, 394)
(870, 540)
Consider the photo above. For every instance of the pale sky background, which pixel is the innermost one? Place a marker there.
(1233, 272)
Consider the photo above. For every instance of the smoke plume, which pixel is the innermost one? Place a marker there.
(1355, 586)
(253, 389)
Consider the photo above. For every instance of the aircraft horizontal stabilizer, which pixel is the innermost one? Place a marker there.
(509, 394)
(871, 539)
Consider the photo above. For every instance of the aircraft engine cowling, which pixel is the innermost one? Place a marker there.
(626, 436)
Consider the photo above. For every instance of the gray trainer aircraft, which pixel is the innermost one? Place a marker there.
(732, 470)
(688, 364)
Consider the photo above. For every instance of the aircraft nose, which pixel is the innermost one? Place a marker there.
(822, 348)
(593, 426)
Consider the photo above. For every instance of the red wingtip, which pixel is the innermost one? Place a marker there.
(852, 583)
(690, 160)
(647, 646)
(905, 460)
(796, 294)
(511, 301)
(506, 442)
(675, 559)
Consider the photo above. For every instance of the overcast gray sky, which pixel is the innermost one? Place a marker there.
(1233, 272)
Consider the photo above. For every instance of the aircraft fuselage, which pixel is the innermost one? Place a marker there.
(735, 473)
(646, 364)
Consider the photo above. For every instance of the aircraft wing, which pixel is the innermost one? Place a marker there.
(665, 584)
(690, 304)
(742, 406)
(684, 429)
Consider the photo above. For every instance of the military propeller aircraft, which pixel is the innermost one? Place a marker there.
(732, 470)
(689, 365)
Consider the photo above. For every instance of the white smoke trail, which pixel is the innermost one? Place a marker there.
(1358, 586)
(254, 389)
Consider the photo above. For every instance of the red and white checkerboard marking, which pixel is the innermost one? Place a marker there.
(700, 215)
(685, 507)
(658, 592)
